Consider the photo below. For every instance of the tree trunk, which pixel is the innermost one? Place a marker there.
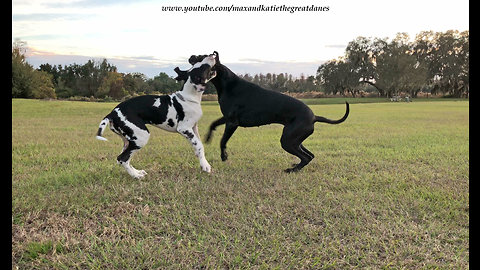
(380, 91)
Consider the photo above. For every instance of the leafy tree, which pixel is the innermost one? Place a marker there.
(26, 81)
(43, 85)
(52, 70)
(436, 62)
(398, 70)
(164, 84)
(336, 77)
(136, 83)
(112, 86)
(22, 72)
(78, 80)
(450, 62)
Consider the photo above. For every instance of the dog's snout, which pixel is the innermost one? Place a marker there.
(211, 60)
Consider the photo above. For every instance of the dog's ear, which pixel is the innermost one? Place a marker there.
(196, 58)
(193, 59)
(182, 75)
(217, 59)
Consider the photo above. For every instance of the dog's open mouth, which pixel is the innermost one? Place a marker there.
(212, 74)
(201, 86)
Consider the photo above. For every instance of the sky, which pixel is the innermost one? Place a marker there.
(137, 36)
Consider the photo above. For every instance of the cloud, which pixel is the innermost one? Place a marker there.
(57, 4)
(257, 66)
(336, 46)
(29, 17)
(149, 58)
(148, 65)
(254, 60)
(42, 37)
(277, 67)
(151, 66)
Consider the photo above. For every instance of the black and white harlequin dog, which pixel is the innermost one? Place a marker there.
(178, 112)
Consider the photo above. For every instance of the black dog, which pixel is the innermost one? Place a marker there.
(246, 104)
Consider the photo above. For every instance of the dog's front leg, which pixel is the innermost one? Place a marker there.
(194, 139)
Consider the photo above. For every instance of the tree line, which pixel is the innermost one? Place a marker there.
(284, 82)
(26, 81)
(434, 62)
(101, 80)
(98, 79)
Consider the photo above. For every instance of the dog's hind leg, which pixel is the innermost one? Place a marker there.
(129, 148)
(124, 160)
(291, 140)
(229, 130)
(307, 151)
(125, 143)
(213, 126)
(296, 151)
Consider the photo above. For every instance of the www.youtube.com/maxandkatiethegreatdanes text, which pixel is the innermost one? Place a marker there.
(236, 8)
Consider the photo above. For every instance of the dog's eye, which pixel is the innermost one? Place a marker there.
(196, 79)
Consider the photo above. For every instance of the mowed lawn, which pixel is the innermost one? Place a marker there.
(388, 189)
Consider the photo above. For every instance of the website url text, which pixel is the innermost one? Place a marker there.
(235, 8)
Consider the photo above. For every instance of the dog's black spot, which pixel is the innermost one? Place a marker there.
(171, 123)
(196, 58)
(200, 74)
(99, 132)
(128, 133)
(141, 110)
(188, 134)
(126, 154)
(178, 107)
(121, 127)
(158, 115)
(182, 75)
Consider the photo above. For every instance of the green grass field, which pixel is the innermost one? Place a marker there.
(388, 189)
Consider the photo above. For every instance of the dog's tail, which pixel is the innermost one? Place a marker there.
(326, 120)
(101, 128)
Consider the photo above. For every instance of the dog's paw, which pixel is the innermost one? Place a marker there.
(224, 156)
(208, 137)
(206, 168)
(294, 169)
(138, 174)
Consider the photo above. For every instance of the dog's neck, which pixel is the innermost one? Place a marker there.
(189, 93)
(223, 78)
